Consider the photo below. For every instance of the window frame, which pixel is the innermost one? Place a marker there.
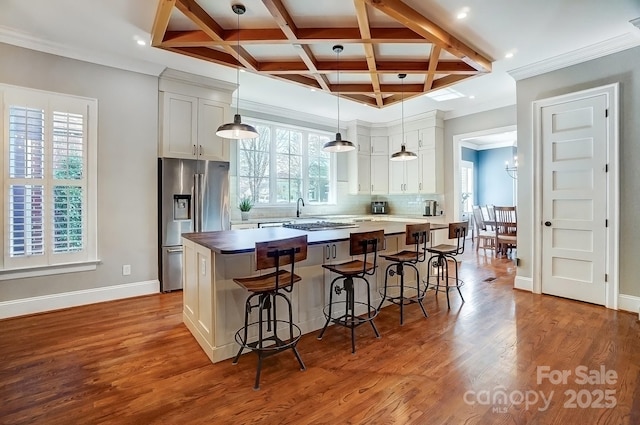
(273, 178)
(50, 263)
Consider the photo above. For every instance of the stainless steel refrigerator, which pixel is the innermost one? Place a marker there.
(193, 196)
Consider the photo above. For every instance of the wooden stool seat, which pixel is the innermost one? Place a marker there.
(268, 282)
(350, 268)
(402, 256)
(442, 249)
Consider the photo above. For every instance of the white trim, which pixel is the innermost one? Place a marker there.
(629, 303)
(613, 187)
(76, 298)
(594, 51)
(21, 39)
(523, 283)
(48, 270)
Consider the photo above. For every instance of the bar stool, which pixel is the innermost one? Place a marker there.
(366, 244)
(439, 260)
(265, 291)
(418, 236)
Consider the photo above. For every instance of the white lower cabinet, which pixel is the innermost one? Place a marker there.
(197, 291)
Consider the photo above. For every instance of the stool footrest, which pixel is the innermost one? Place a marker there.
(349, 319)
(277, 343)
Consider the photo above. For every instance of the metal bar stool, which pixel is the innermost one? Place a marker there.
(366, 244)
(418, 236)
(265, 291)
(442, 281)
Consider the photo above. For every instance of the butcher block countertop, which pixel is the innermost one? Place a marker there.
(243, 241)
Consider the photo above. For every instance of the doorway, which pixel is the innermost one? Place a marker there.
(492, 183)
(576, 196)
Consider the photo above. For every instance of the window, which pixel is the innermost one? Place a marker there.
(284, 163)
(49, 174)
(466, 186)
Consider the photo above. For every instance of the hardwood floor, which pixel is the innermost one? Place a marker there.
(134, 362)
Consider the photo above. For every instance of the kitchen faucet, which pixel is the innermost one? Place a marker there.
(298, 206)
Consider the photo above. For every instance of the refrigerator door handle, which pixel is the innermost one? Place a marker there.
(174, 250)
(198, 184)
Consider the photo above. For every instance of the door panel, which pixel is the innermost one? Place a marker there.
(574, 153)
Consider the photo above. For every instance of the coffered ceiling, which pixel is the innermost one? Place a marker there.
(539, 36)
(285, 40)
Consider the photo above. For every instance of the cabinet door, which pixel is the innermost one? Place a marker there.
(379, 174)
(205, 321)
(396, 177)
(364, 174)
(412, 175)
(211, 115)
(428, 171)
(379, 145)
(363, 144)
(190, 281)
(179, 125)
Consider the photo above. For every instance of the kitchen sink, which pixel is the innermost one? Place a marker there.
(319, 225)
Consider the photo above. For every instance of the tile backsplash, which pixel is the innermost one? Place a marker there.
(347, 204)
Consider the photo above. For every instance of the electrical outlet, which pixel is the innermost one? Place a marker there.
(126, 270)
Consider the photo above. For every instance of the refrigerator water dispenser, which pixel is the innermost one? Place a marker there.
(182, 207)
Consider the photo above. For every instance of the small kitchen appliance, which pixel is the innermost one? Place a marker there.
(379, 207)
(430, 207)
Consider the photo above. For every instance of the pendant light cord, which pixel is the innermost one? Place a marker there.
(402, 109)
(238, 68)
(338, 82)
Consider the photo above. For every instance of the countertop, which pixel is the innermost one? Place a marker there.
(242, 241)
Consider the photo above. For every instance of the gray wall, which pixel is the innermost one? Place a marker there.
(623, 67)
(127, 152)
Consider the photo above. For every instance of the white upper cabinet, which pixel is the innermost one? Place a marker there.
(192, 108)
(404, 175)
(431, 158)
(188, 128)
(379, 145)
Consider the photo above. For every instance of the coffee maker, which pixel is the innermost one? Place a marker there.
(430, 207)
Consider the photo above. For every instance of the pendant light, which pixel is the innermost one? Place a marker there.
(338, 145)
(237, 130)
(403, 154)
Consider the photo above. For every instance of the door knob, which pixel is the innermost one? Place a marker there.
(547, 223)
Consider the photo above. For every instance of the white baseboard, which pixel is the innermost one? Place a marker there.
(629, 303)
(76, 298)
(524, 283)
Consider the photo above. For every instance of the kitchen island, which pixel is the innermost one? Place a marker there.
(213, 307)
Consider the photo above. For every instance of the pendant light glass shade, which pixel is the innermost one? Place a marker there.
(338, 145)
(403, 154)
(237, 130)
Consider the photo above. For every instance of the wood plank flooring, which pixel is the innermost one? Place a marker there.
(134, 362)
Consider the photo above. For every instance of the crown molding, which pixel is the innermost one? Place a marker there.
(248, 106)
(594, 51)
(21, 39)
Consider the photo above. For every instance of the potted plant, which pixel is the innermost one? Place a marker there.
(245, 206)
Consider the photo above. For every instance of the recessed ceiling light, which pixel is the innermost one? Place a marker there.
(463, 13)
(313, 89)
(141, 42)
(472, 97)
(242, 70)
(508, 55)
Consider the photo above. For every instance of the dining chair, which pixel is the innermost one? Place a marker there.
(485, 238)
(506, 223)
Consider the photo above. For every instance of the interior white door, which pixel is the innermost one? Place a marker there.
(574, 160)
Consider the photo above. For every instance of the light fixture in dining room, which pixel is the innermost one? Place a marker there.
(512, 170)
(338, 145)
(403, 154)
(237, 130)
